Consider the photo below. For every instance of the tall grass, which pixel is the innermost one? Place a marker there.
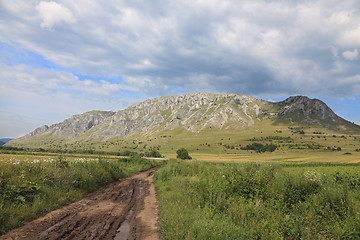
(258, 201)
(30, 189)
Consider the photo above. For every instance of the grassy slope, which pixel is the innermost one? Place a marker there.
(214, 141)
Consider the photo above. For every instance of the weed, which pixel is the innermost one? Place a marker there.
(201, 200)
(30, 188)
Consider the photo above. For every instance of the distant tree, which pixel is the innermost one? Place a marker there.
(154, 153)
(182, 153)
(260, 148)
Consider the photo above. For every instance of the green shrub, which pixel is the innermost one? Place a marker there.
(260, 148)
(182, 153)
(152, 153)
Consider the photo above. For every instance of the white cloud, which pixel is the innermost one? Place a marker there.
(262, 47)
(348, 86)
(351, 55)
(144, 64)
(49, 82)
(32, 97)
(53, 13)
(350, 37)
(351, 80)
(258, 48)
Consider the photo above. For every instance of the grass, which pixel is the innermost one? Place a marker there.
(214, 140)
(202, 200)
(305, 189)
(31, 185)
(279, 157)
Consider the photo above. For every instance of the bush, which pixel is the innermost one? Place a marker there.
(260, 148)
(153, 154)
(182, 153)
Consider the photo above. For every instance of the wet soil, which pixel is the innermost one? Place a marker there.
(124, 209)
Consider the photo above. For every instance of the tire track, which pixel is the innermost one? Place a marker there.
(115, 211)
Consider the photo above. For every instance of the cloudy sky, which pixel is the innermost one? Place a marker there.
(65, 57)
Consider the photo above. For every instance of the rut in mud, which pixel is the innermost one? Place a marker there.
(124, 209)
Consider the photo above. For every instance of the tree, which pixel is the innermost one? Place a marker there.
(260, 148)
(182, 153)
(154, 153)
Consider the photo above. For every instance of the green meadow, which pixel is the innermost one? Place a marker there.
(295, 138)
(207, 200)
(306, 187)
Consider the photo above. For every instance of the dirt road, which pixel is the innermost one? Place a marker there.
(125, 209)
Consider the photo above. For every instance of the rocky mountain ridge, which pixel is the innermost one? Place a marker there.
(74, 126)
(310, 111)
(193, 112)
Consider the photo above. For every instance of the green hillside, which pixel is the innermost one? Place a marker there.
(202, 123)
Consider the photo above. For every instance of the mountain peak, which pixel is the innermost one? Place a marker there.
(194, 113)
(298, 98)
(302, 109)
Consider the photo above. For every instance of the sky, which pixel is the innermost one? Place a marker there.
(65, 57)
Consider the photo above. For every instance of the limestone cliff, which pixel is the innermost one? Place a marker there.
(193, 112)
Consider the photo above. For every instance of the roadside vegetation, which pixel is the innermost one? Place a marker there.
(34, 186)
(37, 151)
(202, 200)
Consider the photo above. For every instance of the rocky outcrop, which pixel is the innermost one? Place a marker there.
(80, 124)
(312, 111)
(194, 112)
(39, 131)
(72, 127)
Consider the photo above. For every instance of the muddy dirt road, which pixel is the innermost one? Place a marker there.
(125, 209)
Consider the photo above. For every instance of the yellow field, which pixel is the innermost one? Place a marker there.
(284, 157)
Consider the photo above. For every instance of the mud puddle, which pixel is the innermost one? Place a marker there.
(125, 209)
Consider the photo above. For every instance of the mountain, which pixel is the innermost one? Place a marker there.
(188, 115)
(312, 111)
(5, 140)
(72, 127)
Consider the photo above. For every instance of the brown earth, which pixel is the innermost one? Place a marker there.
(124, 209)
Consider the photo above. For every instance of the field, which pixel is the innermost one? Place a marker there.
(202, 200)
(307, 188)
(296, 139)
(294, 145)
(278, 157)
(32, 185)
